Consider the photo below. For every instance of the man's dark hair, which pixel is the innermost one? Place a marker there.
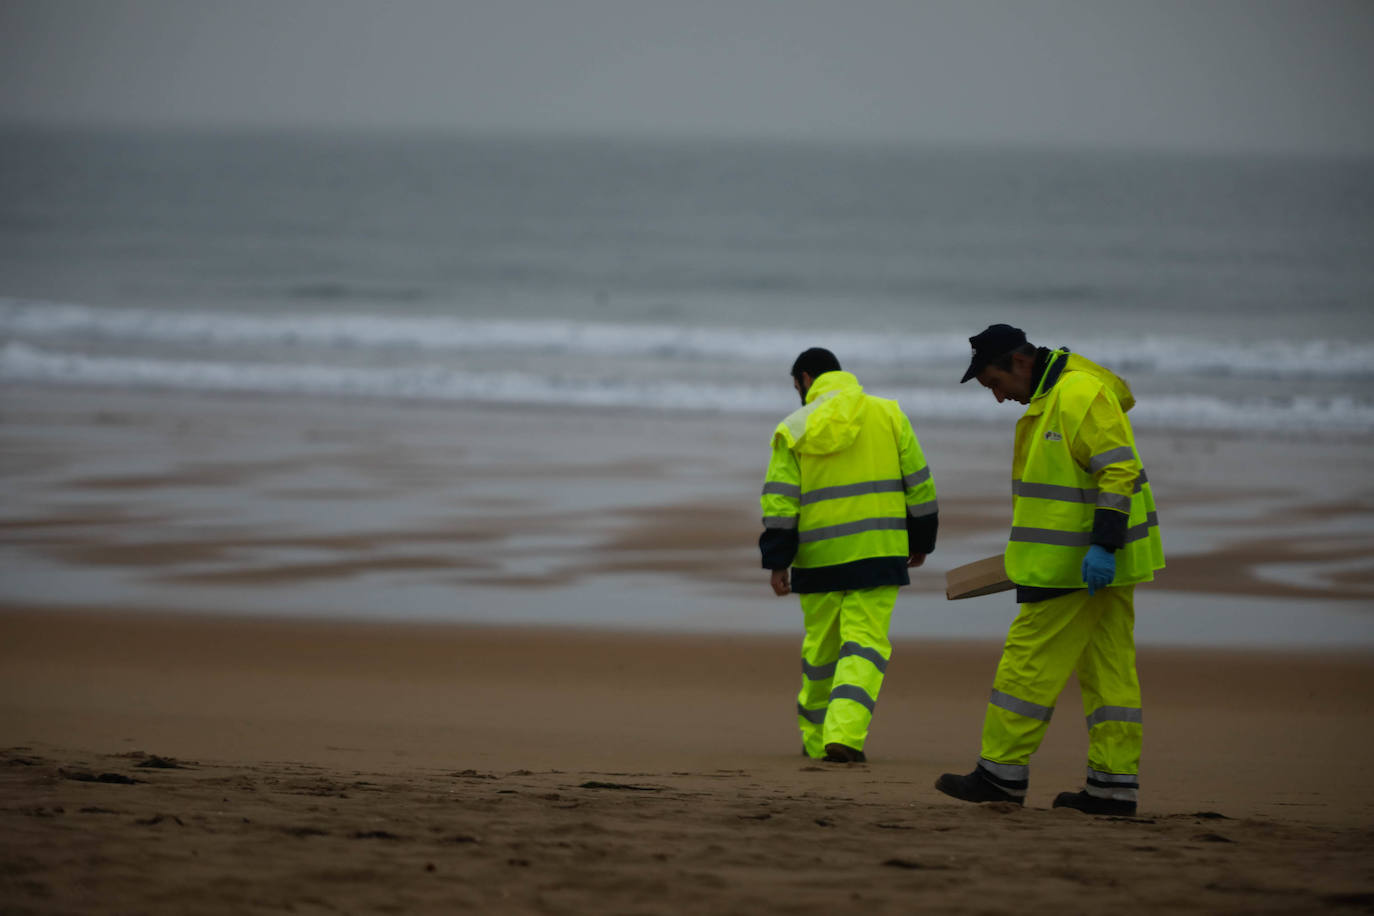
(1003, 362)
(814, 362)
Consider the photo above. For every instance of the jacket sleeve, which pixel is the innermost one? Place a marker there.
(781, 504)
(922, 510)
(1103, 445)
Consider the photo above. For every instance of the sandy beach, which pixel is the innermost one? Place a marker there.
(175, 764)
(312, 656)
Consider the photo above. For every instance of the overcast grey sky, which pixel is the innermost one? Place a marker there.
(1195, 74)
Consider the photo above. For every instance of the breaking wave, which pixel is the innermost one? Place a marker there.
(342, 331)
(20, 362)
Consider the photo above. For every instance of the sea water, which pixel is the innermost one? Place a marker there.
(1233, 293)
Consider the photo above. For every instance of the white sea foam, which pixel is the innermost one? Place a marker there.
(21, 362)
(24, 363)
(57, 323)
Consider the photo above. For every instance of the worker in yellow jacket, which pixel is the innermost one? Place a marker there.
(848, 504)
(1084, 533)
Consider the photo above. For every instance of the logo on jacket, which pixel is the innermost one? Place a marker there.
(1052, 436)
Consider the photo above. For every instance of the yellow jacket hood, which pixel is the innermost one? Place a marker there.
(1075, 363)
(829, 421)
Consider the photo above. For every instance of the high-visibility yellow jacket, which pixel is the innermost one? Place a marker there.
(848, 496)
(1077, 480)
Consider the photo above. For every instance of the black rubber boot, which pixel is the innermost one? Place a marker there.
(843, 753)
(975, 787)
(1091, 804)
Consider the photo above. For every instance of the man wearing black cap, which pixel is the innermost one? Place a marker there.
(1084, 533)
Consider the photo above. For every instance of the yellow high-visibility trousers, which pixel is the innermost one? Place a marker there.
(844, 657)
(1093, 635)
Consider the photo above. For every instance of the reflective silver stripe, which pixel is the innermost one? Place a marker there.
(1066, 494)
(1051, 536)
(921, 510)
(1112, 785)
(1011, 772)
(873, 655)
(1052, 491)
(851, 489)
(1078, 538)
(778, 488)
(1129, 779)
(1136, 532)
(814, 716)
(1114, 501)
(779, 521)
(818, 672)
(916, 479)
(1021, 707)
(1110, 456)
(857, 694)
(836, 531)
(1113, 714)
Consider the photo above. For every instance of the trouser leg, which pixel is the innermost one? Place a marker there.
(1111, 697)
(865, 615)
(819, 653)
(1042, 648)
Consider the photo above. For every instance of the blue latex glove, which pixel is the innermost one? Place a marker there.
(1099, 568)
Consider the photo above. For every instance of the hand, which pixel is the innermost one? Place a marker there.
(915, 560)
(779, 582)
(1099, 568)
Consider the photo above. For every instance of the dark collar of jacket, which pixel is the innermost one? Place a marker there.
(1049, 365)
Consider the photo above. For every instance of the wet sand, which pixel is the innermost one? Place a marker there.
(483, 514)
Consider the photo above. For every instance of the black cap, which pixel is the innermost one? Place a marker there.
(994, 343)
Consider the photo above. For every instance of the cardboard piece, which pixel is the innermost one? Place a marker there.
(985, 577)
